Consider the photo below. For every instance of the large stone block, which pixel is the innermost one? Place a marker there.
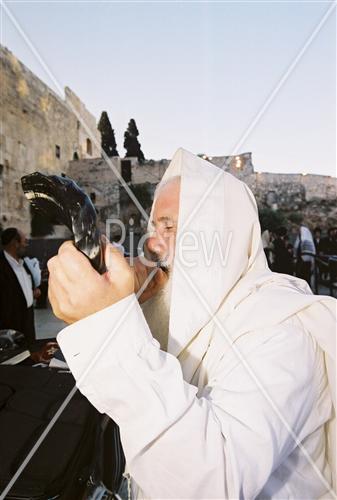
(40, 131)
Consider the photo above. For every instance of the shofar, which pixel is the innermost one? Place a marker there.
(61, 200)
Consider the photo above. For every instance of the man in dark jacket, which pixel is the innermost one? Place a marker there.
(329, 244)
(283, 258)
(17, 289)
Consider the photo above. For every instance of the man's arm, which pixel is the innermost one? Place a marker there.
(224, 444)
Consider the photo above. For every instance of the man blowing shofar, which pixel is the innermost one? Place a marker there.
(222, 385)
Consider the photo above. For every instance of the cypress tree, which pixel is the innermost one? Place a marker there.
(131, 143)
(108, 135)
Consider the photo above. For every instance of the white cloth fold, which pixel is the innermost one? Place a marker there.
(249, 371)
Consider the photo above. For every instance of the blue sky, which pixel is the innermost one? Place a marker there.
(195, 74)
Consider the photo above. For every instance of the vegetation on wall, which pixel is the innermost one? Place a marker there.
(271, 219)
(295, 217)
(143, 194)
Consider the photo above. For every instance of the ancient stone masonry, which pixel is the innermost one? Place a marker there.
(39, 131)
(313, 196)
(97, 178)
(239, 165)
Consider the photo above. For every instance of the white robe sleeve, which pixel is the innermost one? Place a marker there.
(177, 445)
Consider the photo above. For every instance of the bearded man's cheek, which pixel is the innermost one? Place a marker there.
(157, 313)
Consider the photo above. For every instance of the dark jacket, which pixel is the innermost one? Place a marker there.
(13, 306)
(283, 260)
(328, 246)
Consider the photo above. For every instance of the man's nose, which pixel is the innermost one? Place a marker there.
(156, 244)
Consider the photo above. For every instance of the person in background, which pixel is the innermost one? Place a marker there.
(34, 266)
(267, 242)
(329, 244)
(305, 251)
(318, 239)
(329, 253)
(319, 244)
(17, 286)
(290, 250)
(283, 259)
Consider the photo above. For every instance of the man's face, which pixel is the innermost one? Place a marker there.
(161, 243)
(160, 247)
(21, 245)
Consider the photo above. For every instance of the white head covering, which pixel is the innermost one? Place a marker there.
(307, 243)
(236, 279)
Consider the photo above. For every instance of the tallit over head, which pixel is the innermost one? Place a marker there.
(308, 249)
(220, 265)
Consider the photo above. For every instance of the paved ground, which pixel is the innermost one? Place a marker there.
(48, 326)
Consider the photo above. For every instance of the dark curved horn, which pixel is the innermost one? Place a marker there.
(61, 200)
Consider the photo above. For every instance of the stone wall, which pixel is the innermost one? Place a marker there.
(100, 182)
(314, 196)
(240, 165)
(39, 131)
(88, 138)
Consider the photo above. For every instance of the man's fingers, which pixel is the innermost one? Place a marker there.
(66, 246)
(58, 288)
(160, 278)
(113, 258)
(57, 274)
(73, 262)
(51, 264)
(141, 273)
(59, 301)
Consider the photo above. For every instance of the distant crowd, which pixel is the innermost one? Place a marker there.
(298, 251)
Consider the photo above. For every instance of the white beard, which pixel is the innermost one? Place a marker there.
(157, 313)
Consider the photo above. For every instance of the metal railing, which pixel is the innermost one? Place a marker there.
(325, 273)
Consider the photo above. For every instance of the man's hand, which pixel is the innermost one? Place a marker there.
(76, 290)
(45, 354)
(143, 273)
(37, 293)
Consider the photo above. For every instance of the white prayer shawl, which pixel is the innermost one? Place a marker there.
(308, 249)
(228, 419)
(230, 211)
